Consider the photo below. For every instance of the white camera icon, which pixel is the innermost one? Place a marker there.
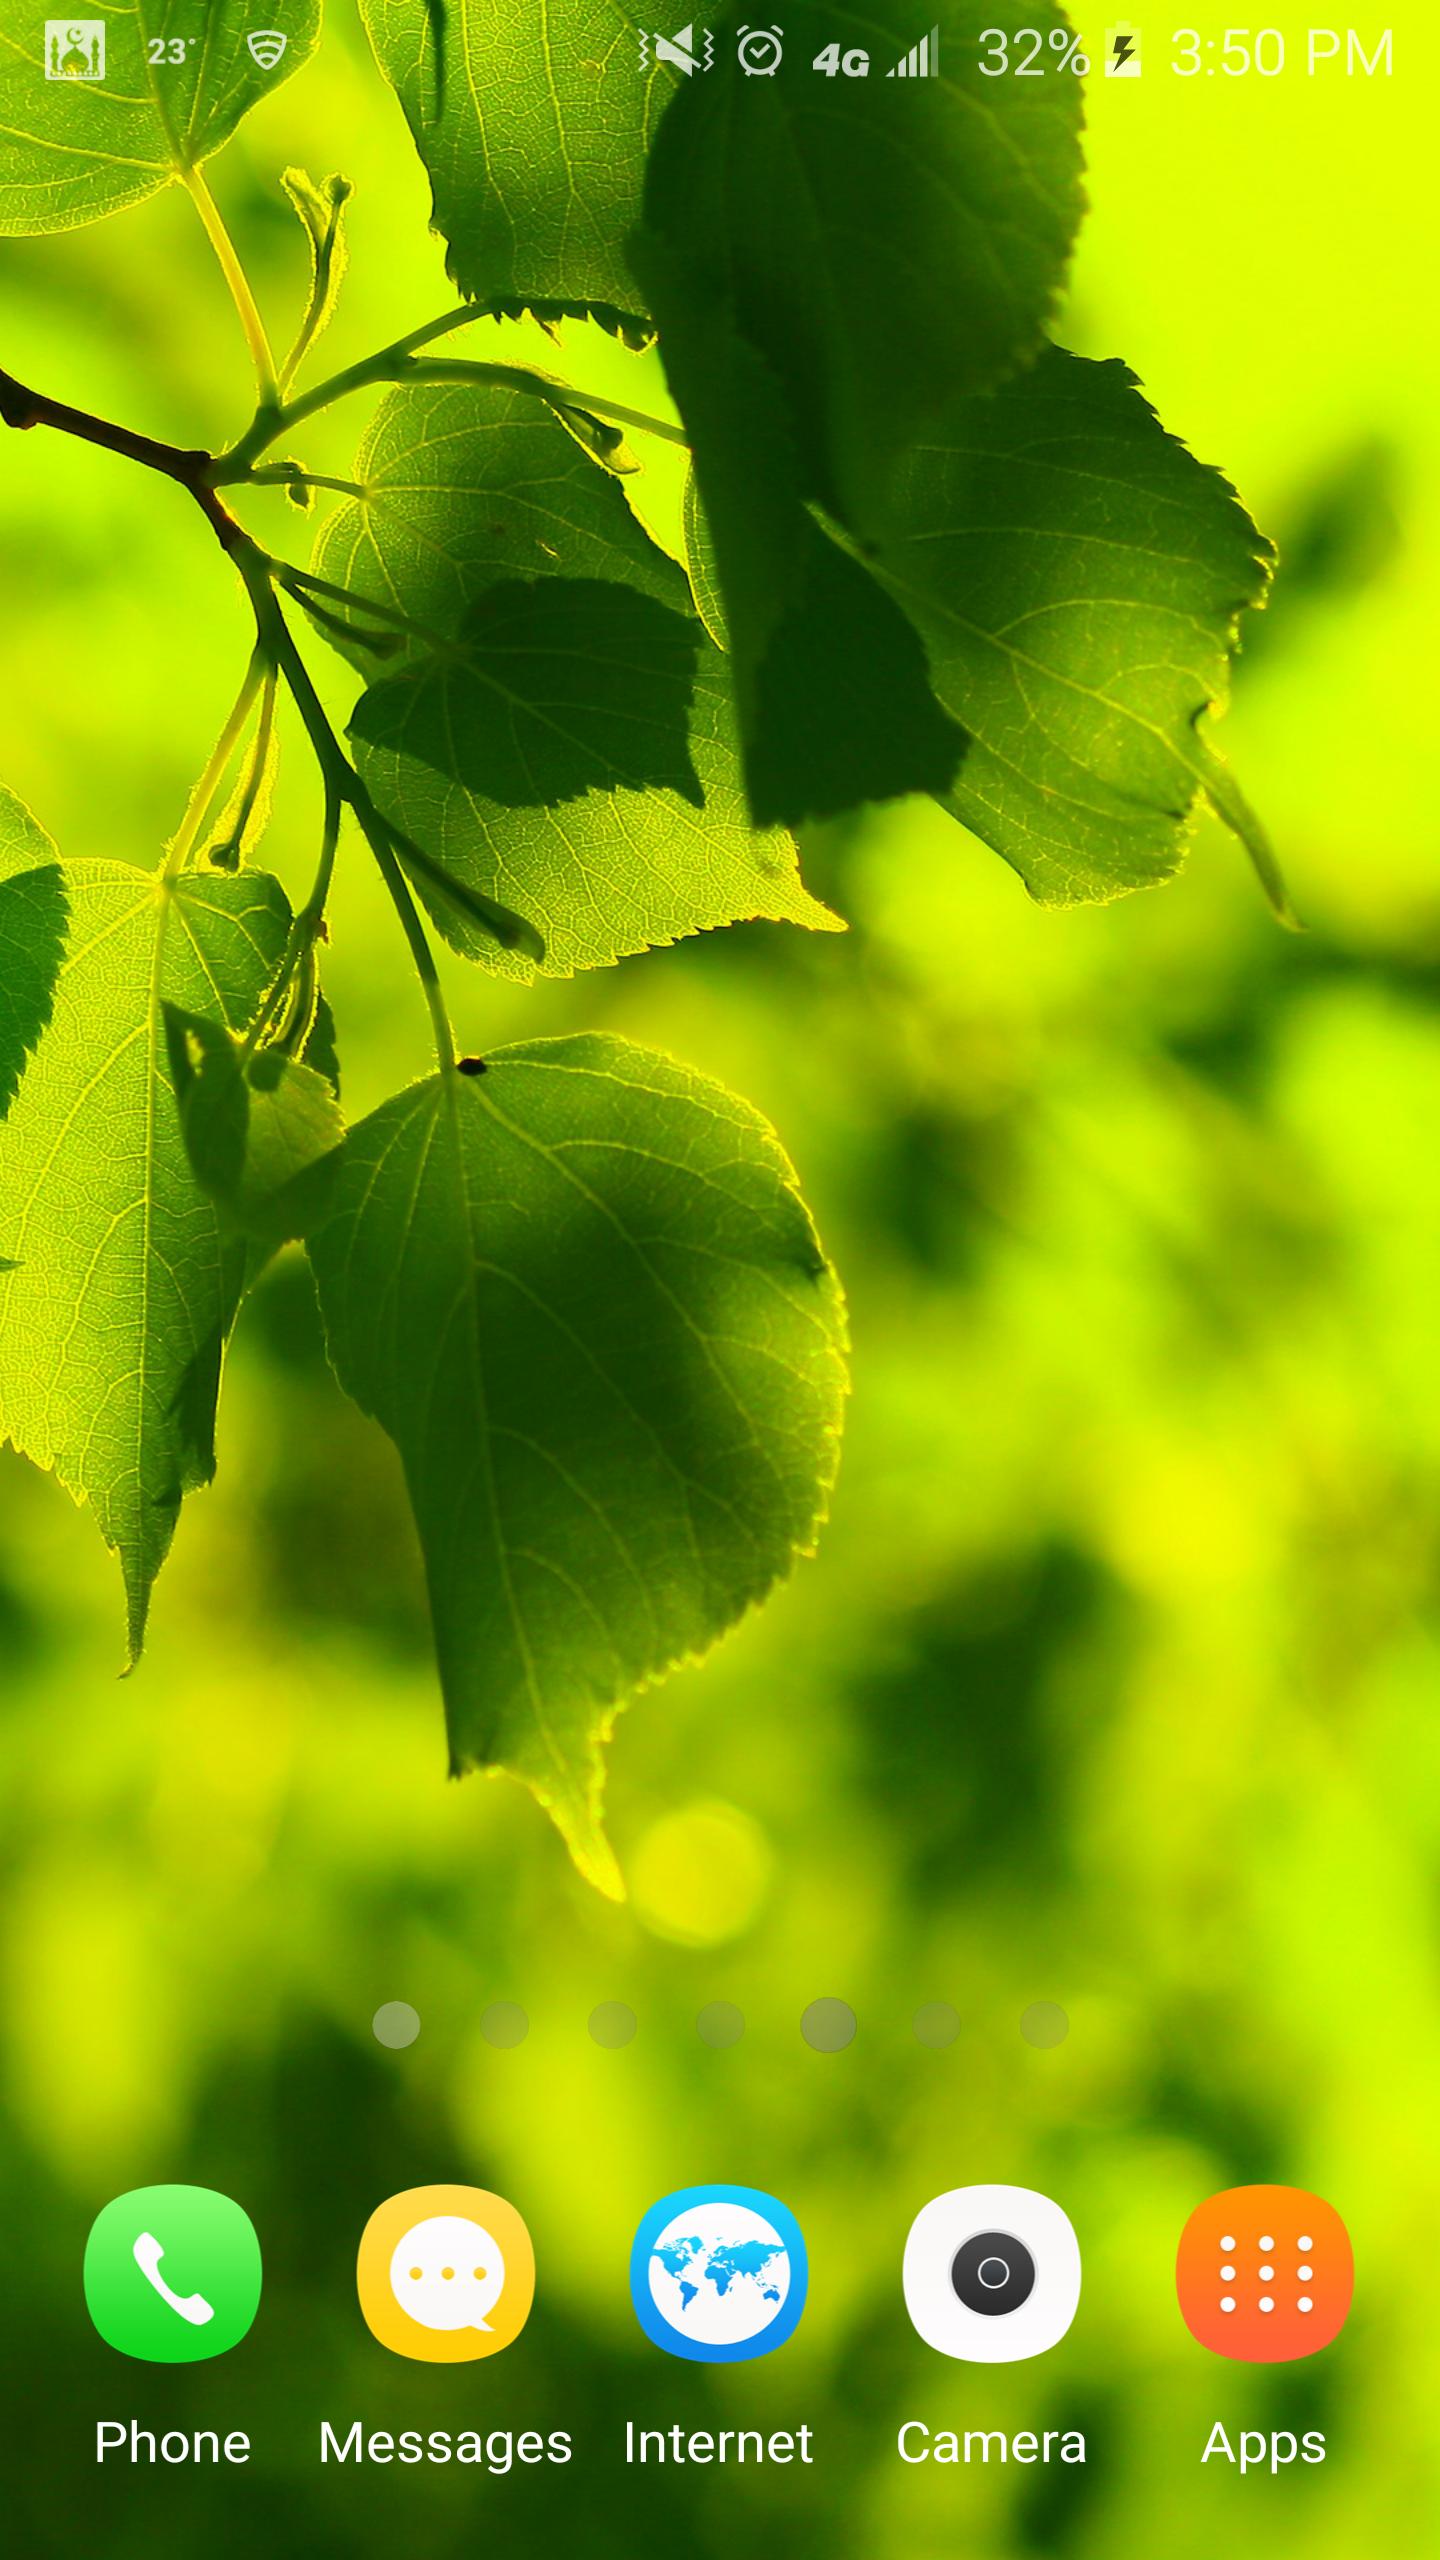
(992, 2274)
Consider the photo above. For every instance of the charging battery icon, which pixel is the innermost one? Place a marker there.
(1122, 51)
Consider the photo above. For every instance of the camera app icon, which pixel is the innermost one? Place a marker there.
(992, 2274)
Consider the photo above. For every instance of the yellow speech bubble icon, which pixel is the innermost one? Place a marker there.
(445, 2274)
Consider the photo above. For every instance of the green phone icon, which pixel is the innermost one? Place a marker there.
(172, 2274)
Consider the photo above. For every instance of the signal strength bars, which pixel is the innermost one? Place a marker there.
(922, 62)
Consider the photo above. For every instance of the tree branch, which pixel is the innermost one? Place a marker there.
(20, 407)
(404, 361)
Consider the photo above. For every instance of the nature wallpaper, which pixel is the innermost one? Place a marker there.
(1088, 1753)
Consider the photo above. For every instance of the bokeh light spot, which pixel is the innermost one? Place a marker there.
(700, 1875)
(395, 2024)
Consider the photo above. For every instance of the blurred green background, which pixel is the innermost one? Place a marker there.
(1114, 1683)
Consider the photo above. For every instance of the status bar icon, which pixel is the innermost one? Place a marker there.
(683, 52)
(74, 48)
(1122, 51)
(922, 62)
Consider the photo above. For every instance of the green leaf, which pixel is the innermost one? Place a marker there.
(582, 1294)
(24, 844)
(33, 916)
(832, 692)
(322, 211)
(533, 119)
(700, 565)
(1078, 578)
(831, 264)
(568, 747)
(584, 675)
(74, 149)
(885, 245)
(470, 483)
(123, 1283)
(261, 1132)
(235, 833)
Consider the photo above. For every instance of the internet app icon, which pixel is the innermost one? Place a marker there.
(172, 2274)
(445, 2274)
(719, 2274)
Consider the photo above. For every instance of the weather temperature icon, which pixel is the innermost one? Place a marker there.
(445, 2274)
(760, 51)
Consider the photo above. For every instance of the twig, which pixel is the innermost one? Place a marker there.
(398, 363)
(22, 408)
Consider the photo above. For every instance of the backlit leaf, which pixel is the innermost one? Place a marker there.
(322, 212)
(74, 148)
(533, 119)
(33, 918)
(122, 1284)
(832, 692)
(885, 245)
(1078, 578)
(700, 566)
(568, 746)
(582, 1293)
(261, 1132)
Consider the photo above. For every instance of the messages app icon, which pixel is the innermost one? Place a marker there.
(445, 2274)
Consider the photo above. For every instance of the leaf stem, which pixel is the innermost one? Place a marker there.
(397, 363)
(343, 785)
(266, 380)
(293, 475)
(300, 583)
(207, 789)
(1230, 805)
(559, 395)
(421, 953)
(304, 926)
(230, 852)
(267, 426)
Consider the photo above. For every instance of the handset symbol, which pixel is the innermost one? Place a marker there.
(147, 2253)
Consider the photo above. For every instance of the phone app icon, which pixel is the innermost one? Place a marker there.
(719, 2274)
(991, 2274)
(445, 2274)
(172, 2274)
(1265, 2274)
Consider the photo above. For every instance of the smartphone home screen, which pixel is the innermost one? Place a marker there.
(718, 1231)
